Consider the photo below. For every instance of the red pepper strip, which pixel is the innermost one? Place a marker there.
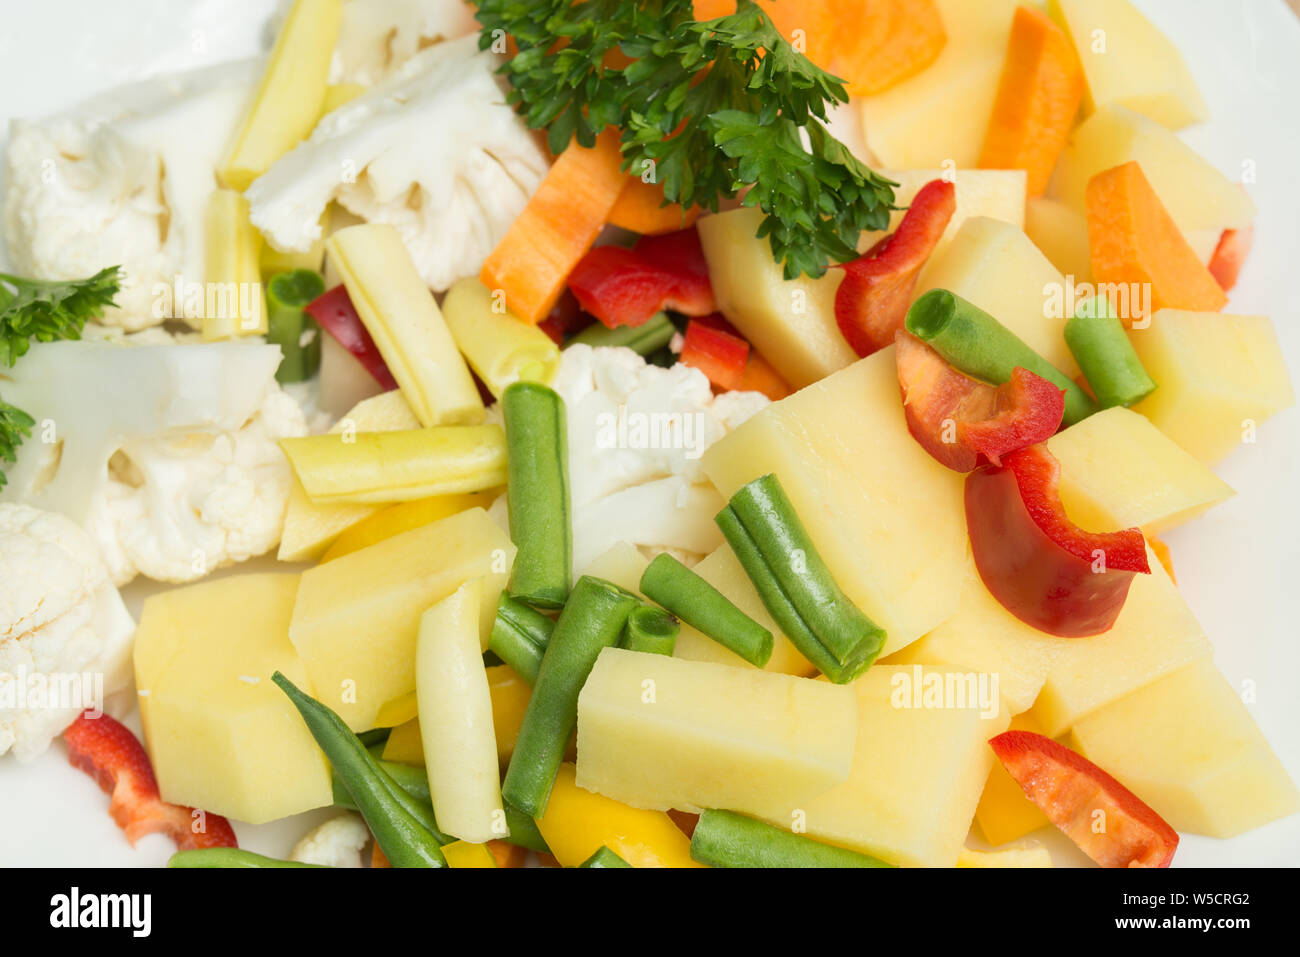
(964, 423)
(566, 319)
(1109, 822)
(719, 355)
(337, 316)
(1230, 256)
(626, 287)
(1040, 566)
(108, 751)
(872, 302)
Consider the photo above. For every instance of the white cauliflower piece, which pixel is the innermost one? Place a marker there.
(636, 434)
(379, 36)
(168, 456)
(434, 151)
(123, 179)
(65, 636)
(336, 843)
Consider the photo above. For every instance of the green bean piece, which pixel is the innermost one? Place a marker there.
(295, 332)
(538, 494)
(977, 344)
(519, 636)
(375, 736)
(651, 630)
(228, 857)
(645, 339)
(1109, 362)
(523, 830)
(404, 830)
(592, 621)
(696, 602)
(604, 858)
(726, 839)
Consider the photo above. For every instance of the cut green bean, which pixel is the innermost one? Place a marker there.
(604, 858)
(592, 620)
(229, 857)
(726, 839)
(977, 344)
(519, 636)
(1109, 362)
(651, 630)
(645, 339)
(375, 736)
(540, 524)
(295, 332)
(523, 830)
(696, 602)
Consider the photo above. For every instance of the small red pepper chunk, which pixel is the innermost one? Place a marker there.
(626, 287)
(1039, 565)
(337, 316)
(964, 423)
(1230, 256)
(872, 301)
(108, 751)
(566, 319)
(1108, 822)
(717, 353)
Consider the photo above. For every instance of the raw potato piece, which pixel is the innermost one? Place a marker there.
(1037, 856)
(791, 322)
(916, 778)
(1188, 747)
(1005, 813)
(1155, 634)
(1061, 233)
(221, 736)
(1220, 376)
(356, 620)
(1120, 471)
(663, 733)
(1129, 62)
(887, 518)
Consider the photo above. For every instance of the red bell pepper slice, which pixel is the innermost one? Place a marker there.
(964, 423)
(1039, 565)
(337, 316)
(566, 319)
(626, 287)
(1108, 822)
(872, 301)
(108, 751)
(718, 354)
(1230, 256)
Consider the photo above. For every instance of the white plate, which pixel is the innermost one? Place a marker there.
(1239, 567)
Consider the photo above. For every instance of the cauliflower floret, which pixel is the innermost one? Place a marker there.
(336, 843)
(65, 636)
(434, 151)
(378, 36)
(123, 179)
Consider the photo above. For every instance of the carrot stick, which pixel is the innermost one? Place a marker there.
(556, 228)
(1041, 88)
(640, 209)
(759, 376)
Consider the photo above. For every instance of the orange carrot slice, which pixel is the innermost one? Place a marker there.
(640, 209)
(1040, 92)
(1134, 240)
(759, 376)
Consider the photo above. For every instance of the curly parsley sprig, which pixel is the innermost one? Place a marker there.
(714, 108)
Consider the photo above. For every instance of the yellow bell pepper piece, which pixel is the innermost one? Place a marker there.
(289, 100)
(1004, 813)
(464, 854)
(509, 693)
(1036, 856)
(234, 304)
(403, 517)
(577, 822)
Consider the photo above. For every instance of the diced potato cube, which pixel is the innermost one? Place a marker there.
(1188, 747)
(1120, 471)
(660, 733)
(356, 619)
(1155, 634)
(1061, 232)
(1220, 377)
(221, 736)
(887, 518)
(1037, 856)
(1005, 813)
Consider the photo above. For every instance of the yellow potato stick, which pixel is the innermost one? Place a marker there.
(501, 348)
(291, 94)
(460, 747)
(402, 317)
(338, 94)
(376, 467)
(234, 303)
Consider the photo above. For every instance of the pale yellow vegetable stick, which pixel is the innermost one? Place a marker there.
(376, 467)
(460, 747)
(339, 94)
(500, 348)
(291, 94)
(234, 304)
(402, 317)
